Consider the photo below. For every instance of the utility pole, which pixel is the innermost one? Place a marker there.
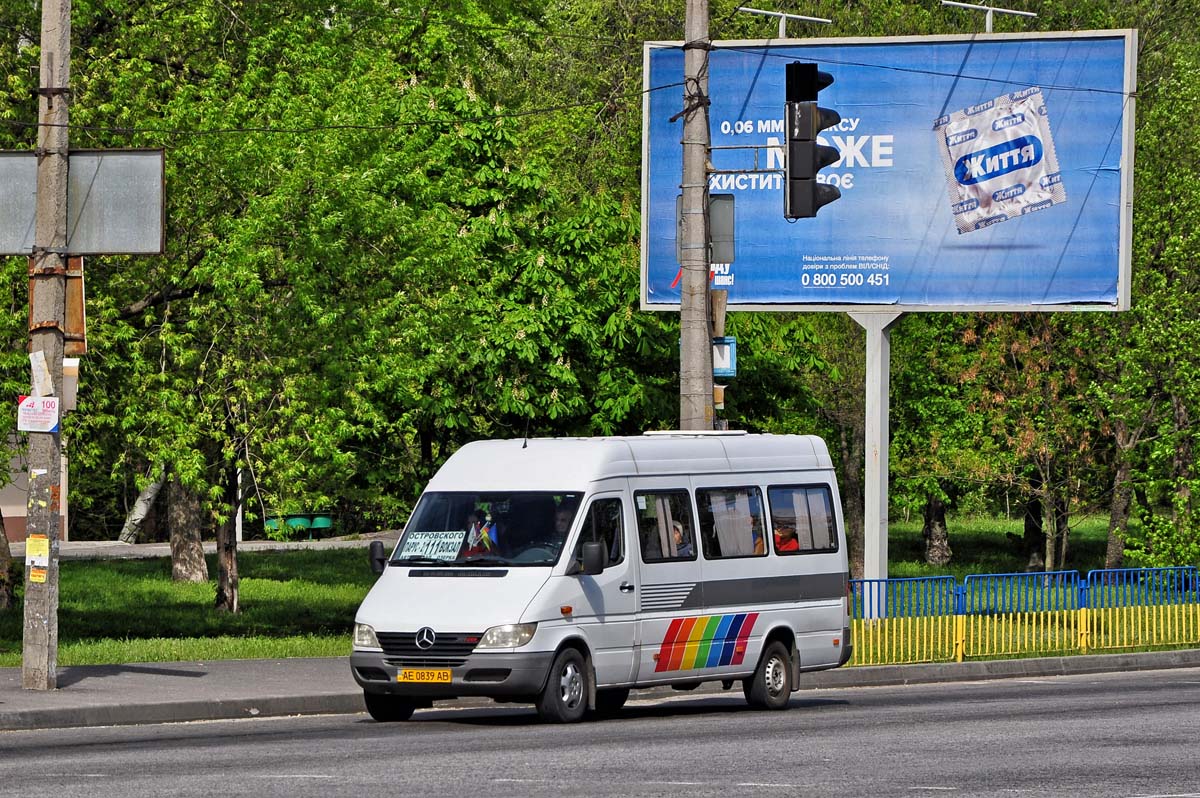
(47, 319)
(695, 345)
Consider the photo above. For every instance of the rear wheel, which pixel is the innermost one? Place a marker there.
(771, 685)
(609, 702)
(564, 698)
(389, 708)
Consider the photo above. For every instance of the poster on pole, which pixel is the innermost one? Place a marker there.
(37, 414)
(984, 172)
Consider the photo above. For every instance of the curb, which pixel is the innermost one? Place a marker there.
(118, 710)
(1075, 665)
(179, 712)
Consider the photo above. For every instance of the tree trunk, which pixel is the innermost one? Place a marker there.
(1181, 463)
(1050, 528)
(425, 431)
(1118, 511)
(183, 520)
(1062, 528)
(1033, 534)
(227, 575)
(8, 587)
(141, 508)
(937, 538)
(852, 498)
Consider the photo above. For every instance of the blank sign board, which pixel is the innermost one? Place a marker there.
(114, 202)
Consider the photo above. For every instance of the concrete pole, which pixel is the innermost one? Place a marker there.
(39, 665)
(875, 489)
(695, 345)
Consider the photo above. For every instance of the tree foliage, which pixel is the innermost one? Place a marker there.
(394, 227)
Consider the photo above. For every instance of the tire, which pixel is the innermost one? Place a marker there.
(771, 685)
(610, 701)
(389, 708)
(564, 698)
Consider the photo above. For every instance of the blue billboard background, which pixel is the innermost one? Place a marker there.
(891, 239)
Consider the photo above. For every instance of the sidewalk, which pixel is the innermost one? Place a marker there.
(104, 695)
(115, 550)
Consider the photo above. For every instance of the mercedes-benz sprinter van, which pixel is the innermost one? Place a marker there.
(565, 572)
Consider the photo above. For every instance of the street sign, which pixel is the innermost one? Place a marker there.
(114, 202)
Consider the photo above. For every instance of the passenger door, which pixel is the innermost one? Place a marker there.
(606, 608)
(671, 601)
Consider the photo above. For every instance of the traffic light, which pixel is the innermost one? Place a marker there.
(803, 196)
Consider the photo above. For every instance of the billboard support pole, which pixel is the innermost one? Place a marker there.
(695, 344)
(875, 491)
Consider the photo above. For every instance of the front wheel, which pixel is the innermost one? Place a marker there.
(564, 699)
(389, 708)
(771, 685)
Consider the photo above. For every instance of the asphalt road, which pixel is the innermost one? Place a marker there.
(1115, 734)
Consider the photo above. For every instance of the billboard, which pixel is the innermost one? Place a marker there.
(985, 172)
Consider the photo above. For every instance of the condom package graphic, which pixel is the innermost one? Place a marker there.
(1000, 160)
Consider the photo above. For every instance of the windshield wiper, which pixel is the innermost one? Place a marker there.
(482, 560)
(419, 561)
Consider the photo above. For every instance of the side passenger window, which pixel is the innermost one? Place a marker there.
(802, 518)
(665, 527)
(603, 524)
(731, 522)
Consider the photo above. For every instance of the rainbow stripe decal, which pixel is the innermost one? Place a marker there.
(710, 641)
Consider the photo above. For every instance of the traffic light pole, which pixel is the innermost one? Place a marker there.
(695, 355)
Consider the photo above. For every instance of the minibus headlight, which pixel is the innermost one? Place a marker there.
(364, 636)
(510, 635)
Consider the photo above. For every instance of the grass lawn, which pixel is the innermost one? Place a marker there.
(981, 546)
(302, 603)
(295, 603)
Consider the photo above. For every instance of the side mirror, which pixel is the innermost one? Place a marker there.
(378, 556)
(593, 558)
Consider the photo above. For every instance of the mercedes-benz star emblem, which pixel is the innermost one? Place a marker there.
(425, 638)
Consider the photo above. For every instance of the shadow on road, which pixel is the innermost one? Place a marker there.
(507, 715)
(79, 673)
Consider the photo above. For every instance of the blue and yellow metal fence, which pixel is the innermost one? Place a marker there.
(936, 619)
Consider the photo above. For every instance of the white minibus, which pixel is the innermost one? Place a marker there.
(564, 572)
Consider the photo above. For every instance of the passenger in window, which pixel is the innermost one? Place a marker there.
(562, 521)
(785, 538)
(760, 546)
(651, 547)
(683, 545)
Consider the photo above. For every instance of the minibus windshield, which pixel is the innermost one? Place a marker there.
(493, 529)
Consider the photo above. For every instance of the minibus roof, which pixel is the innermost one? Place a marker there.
(571, 464)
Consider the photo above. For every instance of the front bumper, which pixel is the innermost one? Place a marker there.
(500, 675)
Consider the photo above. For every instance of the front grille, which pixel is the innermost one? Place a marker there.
(447, 644)
(427, 662)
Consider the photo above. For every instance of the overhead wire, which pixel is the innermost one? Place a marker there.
(763, 50)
